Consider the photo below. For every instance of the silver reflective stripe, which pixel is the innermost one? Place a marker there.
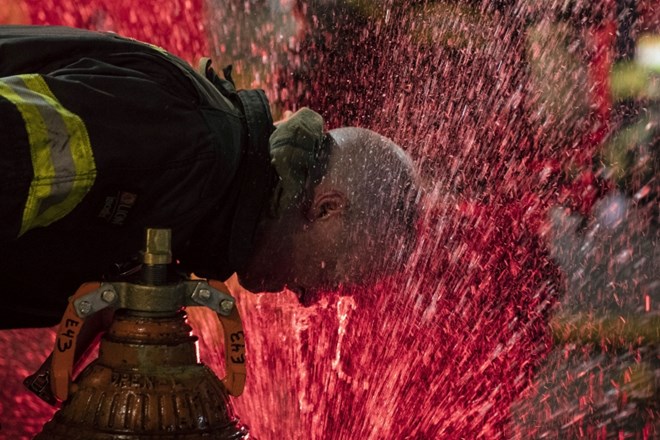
(60, 153)
(60, 150)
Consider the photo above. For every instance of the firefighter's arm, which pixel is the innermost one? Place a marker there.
(47, 165)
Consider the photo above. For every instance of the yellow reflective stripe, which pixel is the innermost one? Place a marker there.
(62, 158)
(80, 150)
(37, 136)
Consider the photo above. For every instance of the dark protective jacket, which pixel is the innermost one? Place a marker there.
(103, 136)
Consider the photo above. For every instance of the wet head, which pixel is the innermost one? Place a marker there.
(356, 224)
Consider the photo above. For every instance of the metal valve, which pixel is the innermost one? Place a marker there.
(147, 377)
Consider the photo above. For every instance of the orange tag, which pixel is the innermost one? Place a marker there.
(65, 344)
(234, 337)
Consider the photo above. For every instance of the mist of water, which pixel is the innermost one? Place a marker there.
(536, 220)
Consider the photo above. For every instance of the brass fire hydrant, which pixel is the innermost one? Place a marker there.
(147, 381)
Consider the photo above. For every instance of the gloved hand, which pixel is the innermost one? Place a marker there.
(295, 149)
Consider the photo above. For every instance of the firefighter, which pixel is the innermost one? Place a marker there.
(103, 136)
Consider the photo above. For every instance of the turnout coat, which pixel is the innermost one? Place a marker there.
(103, 136)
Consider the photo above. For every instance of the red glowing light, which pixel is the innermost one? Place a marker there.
(520, 231)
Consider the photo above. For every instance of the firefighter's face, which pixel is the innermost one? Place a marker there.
(302, 250)
(349, 228)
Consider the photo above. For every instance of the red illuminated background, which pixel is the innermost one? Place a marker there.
(510, 114)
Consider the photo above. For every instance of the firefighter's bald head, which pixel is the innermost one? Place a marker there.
(359, 221)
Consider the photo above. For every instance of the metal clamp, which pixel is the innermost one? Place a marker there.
(216, 300)
(99, 299)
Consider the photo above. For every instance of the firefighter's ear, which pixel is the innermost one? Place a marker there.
(327, 205)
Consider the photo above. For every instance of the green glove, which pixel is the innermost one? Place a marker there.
(295, 148)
